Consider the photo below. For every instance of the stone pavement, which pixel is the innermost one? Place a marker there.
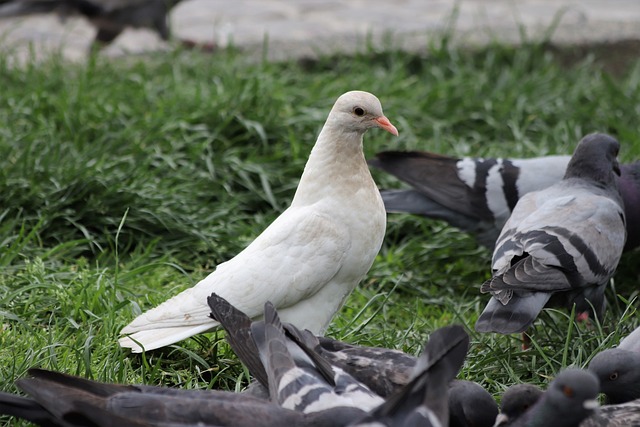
(297, 28)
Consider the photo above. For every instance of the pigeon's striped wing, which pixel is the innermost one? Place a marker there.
(559, 232)
(237, 325)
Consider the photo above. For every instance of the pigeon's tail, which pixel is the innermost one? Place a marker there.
(58, 394)
(414, 202)
(178, 318)
(237, 325)
(424, 400)
(158, 337)
(438, 178)
(14, 8)
(514, 317)
(26, 409)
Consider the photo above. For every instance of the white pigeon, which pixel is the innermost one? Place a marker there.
(310, 258)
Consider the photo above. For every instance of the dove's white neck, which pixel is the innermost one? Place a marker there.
(336, 167)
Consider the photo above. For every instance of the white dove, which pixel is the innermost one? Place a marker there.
(310, 258)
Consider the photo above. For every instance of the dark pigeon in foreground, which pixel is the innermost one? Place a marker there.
(561, 245)
(569, 399)
(618, 370)
(316, 393)
(477, 195)
(301, 380)
(109, 17)
(383, 370)
(57, 399)
(517, 400)
(622, 415)
(470, 405)
(305, 390)
(424, 400)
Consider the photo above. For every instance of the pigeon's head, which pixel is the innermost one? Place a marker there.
(470, 405)
(595, 157)
(357, 111)
(516, 401)
(572, 394)
(619, 374)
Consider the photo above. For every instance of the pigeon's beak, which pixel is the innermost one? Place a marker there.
(385, 124)
(501, 419)
(590, 404)
(616, 165)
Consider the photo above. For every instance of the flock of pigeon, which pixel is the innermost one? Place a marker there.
(558, 245)
(306, 380)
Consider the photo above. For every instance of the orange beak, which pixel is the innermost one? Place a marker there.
(385, 124)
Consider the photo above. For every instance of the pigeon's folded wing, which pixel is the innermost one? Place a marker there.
(280, 266)
(567, 222)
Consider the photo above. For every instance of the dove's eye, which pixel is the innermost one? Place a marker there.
(358, 111)
(613, 376)
(568, 391)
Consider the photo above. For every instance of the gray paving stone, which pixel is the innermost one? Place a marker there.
(298, 28)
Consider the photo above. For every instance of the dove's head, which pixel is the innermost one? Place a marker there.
(516, 401)
(357, 111)
(619, 373)
(595, 157)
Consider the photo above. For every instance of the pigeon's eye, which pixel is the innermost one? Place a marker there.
(358, 111)
(613, 376)
(568, 391)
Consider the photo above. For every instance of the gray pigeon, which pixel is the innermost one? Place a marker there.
(477, 195)
(561, 245)
(569, 399)
(424, 401)
(307, 390)
(383, 370)
(517, 400)
(470, 405)
(622, 415)
(58, 399)
(632, 341)
(474, 194)
(300, 379)
(109, 17)
(618, 370)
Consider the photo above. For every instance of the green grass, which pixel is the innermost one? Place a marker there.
(123, 182)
